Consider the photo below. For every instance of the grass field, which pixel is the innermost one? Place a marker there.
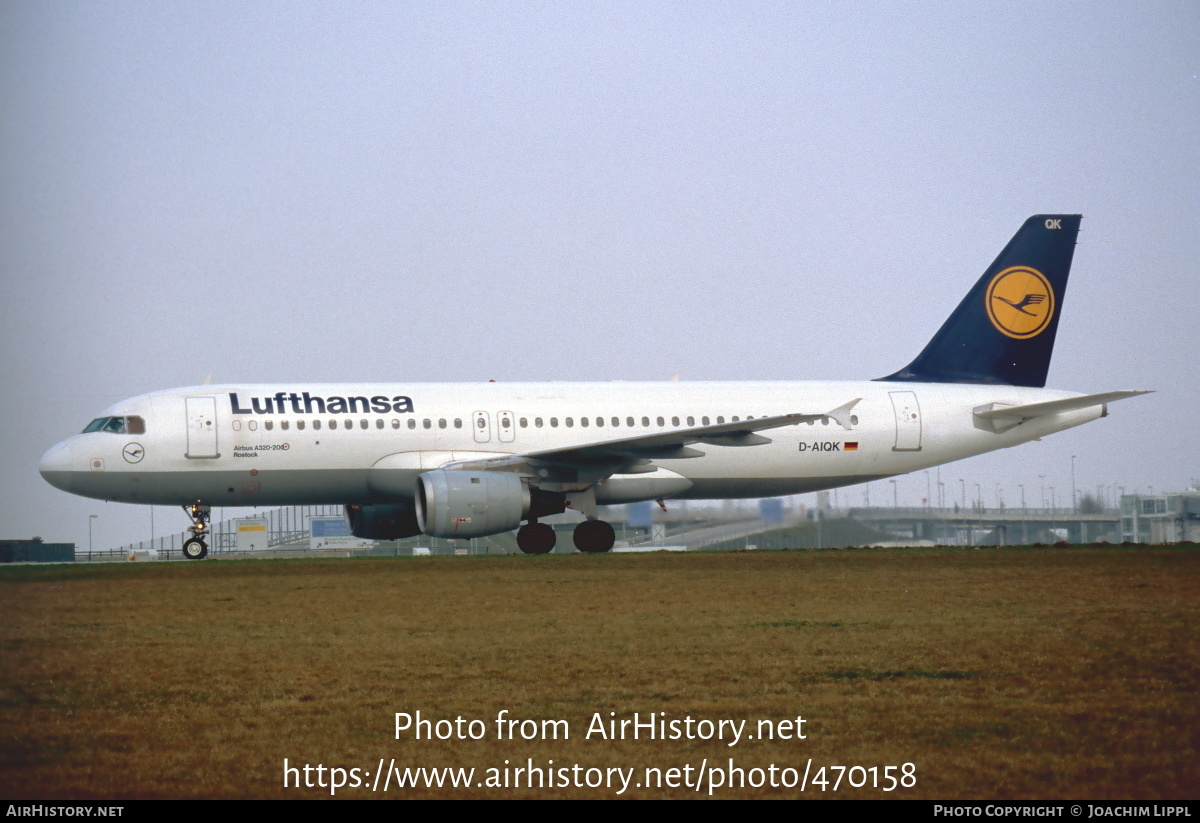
(998, 673)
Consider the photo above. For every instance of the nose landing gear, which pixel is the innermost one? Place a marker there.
(195, 547)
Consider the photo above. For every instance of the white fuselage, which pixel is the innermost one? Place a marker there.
(238, 445)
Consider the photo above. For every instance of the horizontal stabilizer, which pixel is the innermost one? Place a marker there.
(998, 417)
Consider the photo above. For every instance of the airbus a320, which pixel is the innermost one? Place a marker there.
(473, 459)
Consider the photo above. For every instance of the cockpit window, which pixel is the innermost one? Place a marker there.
(117, 425)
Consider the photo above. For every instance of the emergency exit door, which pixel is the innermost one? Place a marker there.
(482, 426)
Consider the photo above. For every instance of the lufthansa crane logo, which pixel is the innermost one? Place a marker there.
(133, 453)
(1020, 302)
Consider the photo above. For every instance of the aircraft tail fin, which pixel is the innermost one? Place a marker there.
(1003, 330)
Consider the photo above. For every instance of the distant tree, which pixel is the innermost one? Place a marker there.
(1089, 504)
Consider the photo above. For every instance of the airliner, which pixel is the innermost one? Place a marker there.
(462, 460)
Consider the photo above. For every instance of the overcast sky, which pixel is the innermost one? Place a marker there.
(584, 191)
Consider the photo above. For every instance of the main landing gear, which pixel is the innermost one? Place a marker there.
(195, 547)
(591, 536)
(594, 536)
(535, 538)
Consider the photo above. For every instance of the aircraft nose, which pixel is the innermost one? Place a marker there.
(57, 466)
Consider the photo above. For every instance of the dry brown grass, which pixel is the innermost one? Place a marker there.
(999, 673)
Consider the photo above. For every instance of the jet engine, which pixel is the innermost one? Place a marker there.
(460, 504)
(385, 521)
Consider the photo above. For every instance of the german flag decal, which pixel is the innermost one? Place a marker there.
(852, 447)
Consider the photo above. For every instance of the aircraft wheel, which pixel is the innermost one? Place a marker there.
(195, 549)
(594, 536)
(535, 538)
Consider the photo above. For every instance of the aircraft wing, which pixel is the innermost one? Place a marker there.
(999, 418)
(630, 451)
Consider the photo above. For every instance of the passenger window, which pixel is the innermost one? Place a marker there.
(854, 420)
(316, 425)
(583, 421)
(362, 424)
(300, 425)
(646, 422)
(662, 422)
(135, 425)
(537, 422)
(395, 422)
(570, 421)
(283, 425)
(720, 420)
(412, 422)
(524, 423)
(268, 425)
(427, 423)
(379, 424)
(554, 422)
(237, 425)
(616, 421)
(253, 424)
(458, 422)
(333, 424)
(441, 423)
(704, 421)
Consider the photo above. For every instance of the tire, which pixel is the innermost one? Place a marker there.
(594, 536)
(195, 549)
(536, 538)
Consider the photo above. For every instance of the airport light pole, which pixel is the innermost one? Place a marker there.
(964, 492)
(1042, 477)
(91, 517)
(978, 497)
(928, 491)
(1074, 500)
(895, 504)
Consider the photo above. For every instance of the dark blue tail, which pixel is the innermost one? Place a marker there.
(1003, 331)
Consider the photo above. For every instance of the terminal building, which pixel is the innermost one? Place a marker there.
(1171, 517)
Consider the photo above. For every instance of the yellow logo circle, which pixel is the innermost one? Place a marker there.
(1020, 302)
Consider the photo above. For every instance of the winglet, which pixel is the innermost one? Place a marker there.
(841, 415)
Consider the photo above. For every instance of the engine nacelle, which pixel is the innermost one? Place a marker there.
(460, 504)
(385, 521)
